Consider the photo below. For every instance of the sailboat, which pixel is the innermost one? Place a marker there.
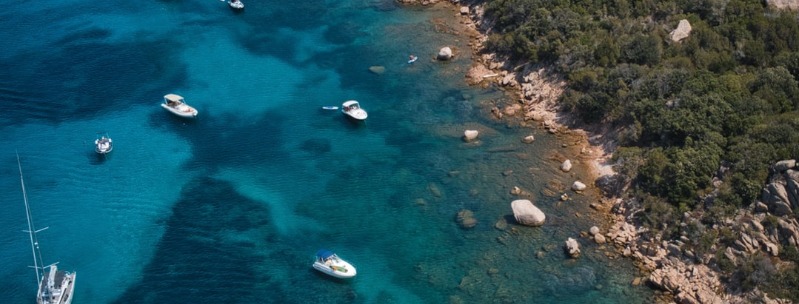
(55, 286)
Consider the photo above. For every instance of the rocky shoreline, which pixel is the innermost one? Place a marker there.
(678, 273)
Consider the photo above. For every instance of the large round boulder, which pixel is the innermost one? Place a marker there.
(572, 247)
(682, 31)
(470, 135)
(566, 166)
(578, 186)
(444, 54)
(527, 214)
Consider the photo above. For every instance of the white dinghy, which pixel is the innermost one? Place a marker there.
(103, 144)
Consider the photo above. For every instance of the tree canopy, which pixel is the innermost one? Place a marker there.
(721, 103)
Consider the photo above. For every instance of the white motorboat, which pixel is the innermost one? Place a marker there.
(103, 144)
(329, 263)
(174, 103)
(55, 286)
(352, 109)
(412, 58)
(236, 4)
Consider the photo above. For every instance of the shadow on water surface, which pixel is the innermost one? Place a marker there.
(200, 259)
(226, 140)
(85, 79)
(220, 247)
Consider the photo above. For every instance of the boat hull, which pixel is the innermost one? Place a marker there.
(353, 110)
(238, 5)
(345, 270)
(357, 114)
(63, 291)
(189, 114)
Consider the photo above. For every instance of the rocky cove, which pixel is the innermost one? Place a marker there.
(671, 267)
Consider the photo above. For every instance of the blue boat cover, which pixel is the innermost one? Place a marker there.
(324, 253)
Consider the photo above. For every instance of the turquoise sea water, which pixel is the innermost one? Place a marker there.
(230, 207)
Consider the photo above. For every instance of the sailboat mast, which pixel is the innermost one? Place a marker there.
(31, 230)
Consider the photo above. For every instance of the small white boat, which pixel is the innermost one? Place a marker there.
(103, 144)
(236, 4)
(329, 263)
(412, 58)
(330, 108)
(352, 109)
(174, 103)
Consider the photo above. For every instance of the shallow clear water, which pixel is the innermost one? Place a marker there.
(231, 206)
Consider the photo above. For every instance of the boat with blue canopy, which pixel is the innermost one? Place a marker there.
(329, 263)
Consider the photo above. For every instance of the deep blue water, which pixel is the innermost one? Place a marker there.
(231, 206)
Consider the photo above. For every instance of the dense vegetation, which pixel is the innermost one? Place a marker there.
(721, 103)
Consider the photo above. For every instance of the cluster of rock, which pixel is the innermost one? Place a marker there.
(784, 4)
(775, 209)
(538, 88)
(528, 214)
(669, 272)
(781, 195)
(766, 227)
(672, 265)
(466, 219)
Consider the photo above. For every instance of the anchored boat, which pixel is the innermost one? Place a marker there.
(55, 286)
(353, 109)
(329, 263)
(174, 103)
(236, 4)
(103, 144)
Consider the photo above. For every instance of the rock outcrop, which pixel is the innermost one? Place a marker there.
(444, 54)
(470, 135)
(527, 214)
(784, 4)
(566, 166)
(529, 139)
(572, 248)
(377, 69)
(688, 283)
(466, 219)
(598, 237)
(781, 194)
(682, 31)
(690, 277)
